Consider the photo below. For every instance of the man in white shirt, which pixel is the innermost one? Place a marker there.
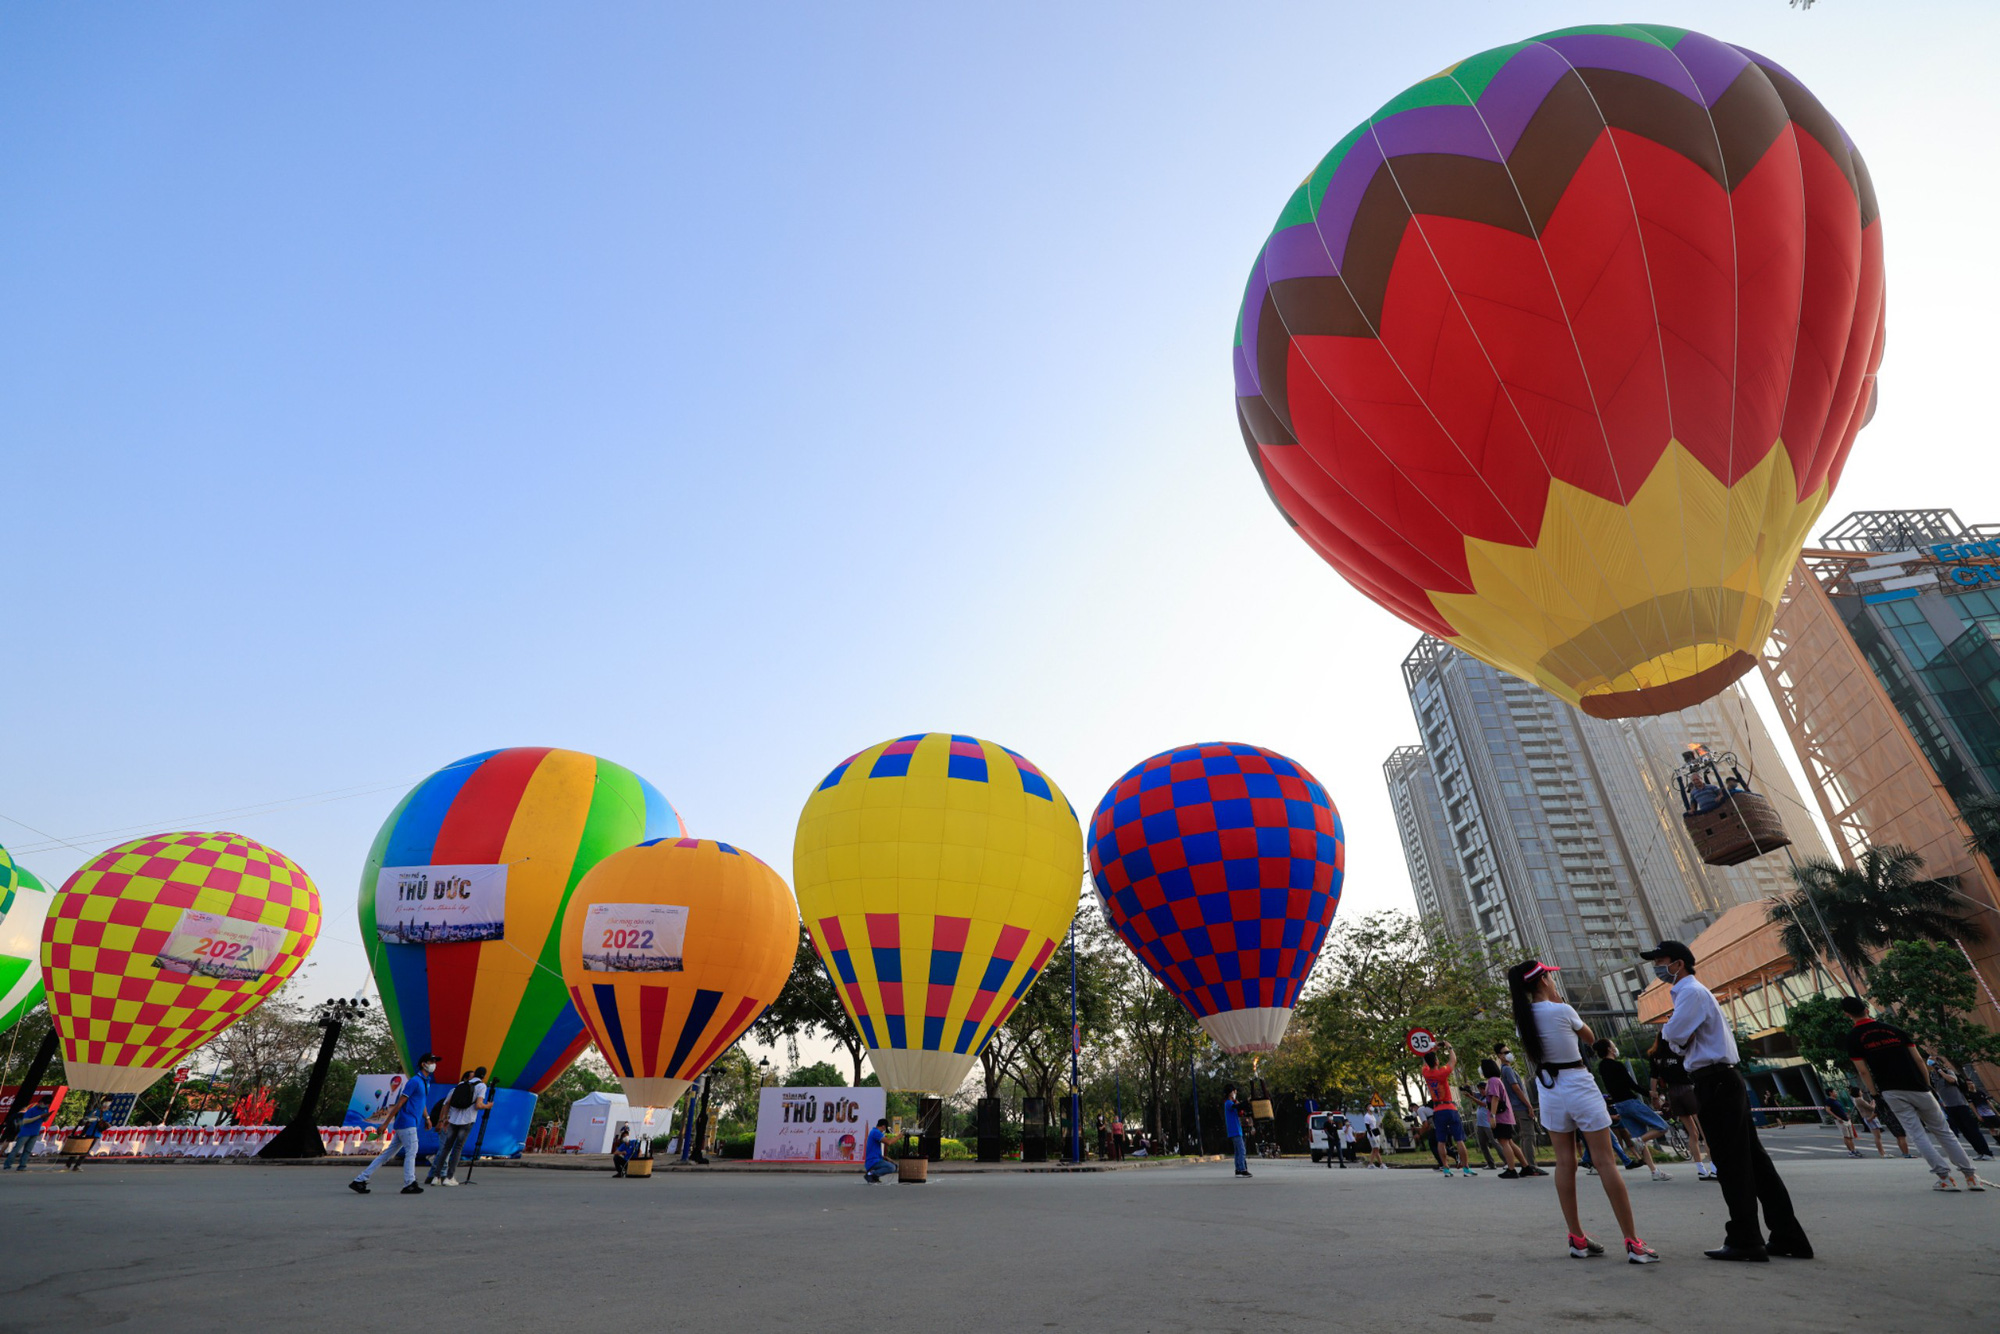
(472, 1093)
(1699, 1032)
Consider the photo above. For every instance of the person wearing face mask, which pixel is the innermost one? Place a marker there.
(1524, 1110)
(406, 1114)
(1699, 1032)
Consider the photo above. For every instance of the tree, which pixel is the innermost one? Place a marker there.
(808, 1005)
(1039, 1027)
(1378, 977)
(1931, 989)
(1819, 1029)
(1864, 908)
(818, 1075)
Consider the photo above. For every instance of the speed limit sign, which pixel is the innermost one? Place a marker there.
(1420, 1041)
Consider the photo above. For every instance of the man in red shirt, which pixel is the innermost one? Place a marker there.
(1447, 1126)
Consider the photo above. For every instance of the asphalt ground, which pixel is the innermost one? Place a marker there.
(1152, 1248)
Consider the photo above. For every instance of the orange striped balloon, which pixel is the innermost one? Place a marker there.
(670, 951)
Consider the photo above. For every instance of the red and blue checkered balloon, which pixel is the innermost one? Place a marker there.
(1220, 865)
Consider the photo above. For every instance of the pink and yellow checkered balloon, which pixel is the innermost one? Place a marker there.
(159, 944)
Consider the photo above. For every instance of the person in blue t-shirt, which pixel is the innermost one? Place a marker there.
(1232, 1126)
(406, 1114)
(27, 1133)
(875, 1163)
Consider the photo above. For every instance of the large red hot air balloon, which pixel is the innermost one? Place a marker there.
(1558, 355)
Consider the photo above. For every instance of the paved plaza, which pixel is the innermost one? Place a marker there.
(1152, 1248)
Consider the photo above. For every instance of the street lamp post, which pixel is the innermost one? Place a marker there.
(300, 1137)
(1075, 1047)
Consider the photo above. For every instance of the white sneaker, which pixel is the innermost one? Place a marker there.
(449, 1181)
(1658, 1175)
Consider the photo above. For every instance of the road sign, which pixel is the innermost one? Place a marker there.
(181, 1075)
(1420, 1041)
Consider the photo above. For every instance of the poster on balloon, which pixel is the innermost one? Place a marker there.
(223, 947)
(634, 937)
(827, 1125)
(440, 905)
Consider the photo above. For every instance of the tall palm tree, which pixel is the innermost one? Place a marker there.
(1983, 814)
(1859, 909)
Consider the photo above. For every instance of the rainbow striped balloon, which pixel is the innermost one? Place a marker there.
(544, 817)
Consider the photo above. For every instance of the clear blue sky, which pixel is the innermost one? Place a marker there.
(724, 390)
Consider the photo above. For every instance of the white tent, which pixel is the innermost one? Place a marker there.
(594, 1120)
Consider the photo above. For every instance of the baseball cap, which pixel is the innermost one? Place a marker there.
(1536, 969)
(1670, 949)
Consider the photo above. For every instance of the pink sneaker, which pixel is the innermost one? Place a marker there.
(1639, 1253)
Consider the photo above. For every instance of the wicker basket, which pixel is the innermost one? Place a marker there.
(639, 1167)
(79, 1145)
(913, 1170)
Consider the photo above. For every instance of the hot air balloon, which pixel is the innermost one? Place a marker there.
(936, 874)
(670, 951)
(26, 907)
(1558, 356)
(462, 893)
(11, 878)
(1220, 866)
(157, 945)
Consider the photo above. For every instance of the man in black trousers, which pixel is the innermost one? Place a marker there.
(1699, 1033)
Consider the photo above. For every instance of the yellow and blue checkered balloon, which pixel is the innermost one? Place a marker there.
(935, 873)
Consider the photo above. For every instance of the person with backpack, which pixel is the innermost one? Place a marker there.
(458, 1113)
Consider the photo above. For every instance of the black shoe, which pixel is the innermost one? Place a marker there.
(1792, 1250)
(1509, 1175)
(1243, 1174)
(1727, 1252)
(1535, 1172)
(413, 1189)
(358, 1187)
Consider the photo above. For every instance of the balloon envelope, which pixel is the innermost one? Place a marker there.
(523, 825)
(1220, 866)
(935, 874)
(670, 951)
(1559, 355)
(12, 876)
(21, 942)
(124, 1019)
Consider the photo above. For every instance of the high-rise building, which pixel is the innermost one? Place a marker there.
(1885, 663)
(1566, 830)
(1435, 877)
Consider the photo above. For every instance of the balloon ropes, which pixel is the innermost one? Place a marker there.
(1220, 866)
(157, 945)
(26, 906)
(671, 950)
(1559, 354)
(461, 897)
(935, 874)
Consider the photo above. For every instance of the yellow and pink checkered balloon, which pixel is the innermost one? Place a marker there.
(159, 944)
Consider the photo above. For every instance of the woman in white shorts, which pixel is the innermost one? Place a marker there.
(1571, 1102)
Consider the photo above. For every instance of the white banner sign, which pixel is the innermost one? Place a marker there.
(439, 905)
(634, 937)
(816, 1125)
(216, 946)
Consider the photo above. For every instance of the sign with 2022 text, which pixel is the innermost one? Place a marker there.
(217, 946)
(634, 937)
(440, 905)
